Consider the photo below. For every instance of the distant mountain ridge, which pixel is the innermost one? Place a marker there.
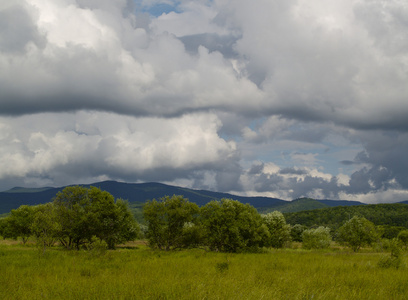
(141, 192)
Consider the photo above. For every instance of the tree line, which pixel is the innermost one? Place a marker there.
(231, 226)
(78, 217)
(395, 214)
(73, 218)
(390, 219)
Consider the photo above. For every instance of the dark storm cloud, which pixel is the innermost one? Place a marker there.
(385, 155)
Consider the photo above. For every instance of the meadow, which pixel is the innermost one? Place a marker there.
(137, 272)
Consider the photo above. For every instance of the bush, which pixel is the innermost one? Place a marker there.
(97, 247)
(357, 232)
(193, 235)
(382, 245)
(166, 219)
(230, 226)
(279, 231)
(403, 237)
(395, 259)
(318, 238)
(296, 232)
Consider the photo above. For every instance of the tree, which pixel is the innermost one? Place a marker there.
(45, 225)
(18, 223)
(278, 229)
(296, 232)
(193, 235)
(72, 206)
(357, 232)
(166, 219)
(318, 238)
(388, 231)
(3, 223)
(127, 228)
(111, 222)
(403, 237)
(230, 226)
(84, 213)
(395, 259)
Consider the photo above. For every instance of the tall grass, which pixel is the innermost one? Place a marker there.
(142, 273)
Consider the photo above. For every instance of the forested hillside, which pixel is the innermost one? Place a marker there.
(334, 217)
(303, 204)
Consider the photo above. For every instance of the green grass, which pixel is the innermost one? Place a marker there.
(141, 273)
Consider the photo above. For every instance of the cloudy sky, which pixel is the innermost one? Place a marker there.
(280, 98)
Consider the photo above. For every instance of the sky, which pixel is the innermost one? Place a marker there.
(277, 98)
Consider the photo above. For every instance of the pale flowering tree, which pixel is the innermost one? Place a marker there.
(278, 229)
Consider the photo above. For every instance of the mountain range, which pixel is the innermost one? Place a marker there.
(141, 192)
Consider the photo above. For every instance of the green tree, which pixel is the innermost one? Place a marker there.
(403, 237)
(395, 259)
(388, 231)
(278, 229)
(3, 223)
(357, 232)
(318, 238)
(18, 223)
(84, 213)
(230, 226)
(166, 219)
(45, 225)
(296, 232)
(193, 235)
(127, 228)
(111, 222)
(72, 207)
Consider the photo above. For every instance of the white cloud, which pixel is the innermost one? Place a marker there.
(206, 90)
(99, 144)
(199, 18)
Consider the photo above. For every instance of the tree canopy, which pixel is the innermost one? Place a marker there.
(279, 231)
(84, 213)
(75, 216)
(333, 217)
(18, 223)
(357, 232)
(231, 226)
(166, 219)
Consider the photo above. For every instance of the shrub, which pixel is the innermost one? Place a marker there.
(97, 247)
(230, 226)
(357, 232)
(279, 231)
(166, 221)
(318, 238)
(296, 232)
(395, 259)
(403, 237)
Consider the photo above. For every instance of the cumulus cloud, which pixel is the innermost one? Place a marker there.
(90, 146)
(258, 52)
(284, 97)
(96, 58)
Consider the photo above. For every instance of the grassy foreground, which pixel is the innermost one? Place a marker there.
(141, 273)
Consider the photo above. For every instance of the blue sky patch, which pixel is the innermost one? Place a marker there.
(161, 8)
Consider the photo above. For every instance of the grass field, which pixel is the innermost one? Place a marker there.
(137, 272)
